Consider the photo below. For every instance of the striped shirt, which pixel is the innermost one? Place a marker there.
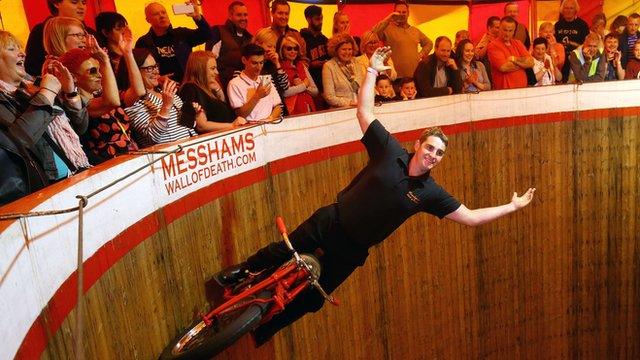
(149, 128)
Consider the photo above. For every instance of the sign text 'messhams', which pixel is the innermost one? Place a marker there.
(206, 154)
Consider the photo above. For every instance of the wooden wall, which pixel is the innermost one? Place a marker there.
(559, 279)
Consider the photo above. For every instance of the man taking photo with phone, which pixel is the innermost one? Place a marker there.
(172, 46)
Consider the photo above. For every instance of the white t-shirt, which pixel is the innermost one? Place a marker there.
(549, 77)
(241, 89)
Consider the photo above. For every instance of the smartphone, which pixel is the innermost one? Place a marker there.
(181, 9)
(265, 80)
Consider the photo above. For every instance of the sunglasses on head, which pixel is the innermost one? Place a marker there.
(289, 48)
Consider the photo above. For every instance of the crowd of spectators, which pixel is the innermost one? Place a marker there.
(76, 97)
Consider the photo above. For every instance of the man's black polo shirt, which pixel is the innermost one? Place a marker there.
(383, 195)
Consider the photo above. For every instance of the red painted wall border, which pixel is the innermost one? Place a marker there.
(64, 300)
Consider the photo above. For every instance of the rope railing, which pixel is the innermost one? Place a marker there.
(83, 201)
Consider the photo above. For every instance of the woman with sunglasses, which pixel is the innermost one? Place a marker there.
(109, 132)
(299, 96)
(206, 109)
(154, 117)
(370, 42)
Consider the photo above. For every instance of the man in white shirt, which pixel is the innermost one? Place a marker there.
(251, 95)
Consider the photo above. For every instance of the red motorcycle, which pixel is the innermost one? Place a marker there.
(248, 305)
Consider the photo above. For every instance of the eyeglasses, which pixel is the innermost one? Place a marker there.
(150, 68)
(78, 35)
(289, 48)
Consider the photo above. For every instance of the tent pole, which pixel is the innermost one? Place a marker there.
(533, 19)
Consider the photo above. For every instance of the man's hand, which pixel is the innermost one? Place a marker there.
(451, 64)
(197, 11)
(521, 201)
(379, 57)
(263, 90)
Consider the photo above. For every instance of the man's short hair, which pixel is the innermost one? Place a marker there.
(509, 4)
(491, 19)
(434, 131)
(400, 2)
(275, 3)
(539, 41)
(634, 16)
(439, 39)
(51, 4)
(382, 77)
(509, 20)
(312, 10)
(252, 49)
(233, 5)
(611, 36)
(592, 37)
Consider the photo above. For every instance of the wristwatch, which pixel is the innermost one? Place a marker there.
(72, 94)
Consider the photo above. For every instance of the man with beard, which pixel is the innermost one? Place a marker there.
(316, 43)
(227, 41)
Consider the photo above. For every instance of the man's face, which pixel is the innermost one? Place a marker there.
(443, 51)
(539, 51)
(590, 48)
(611, 44)
(156, 16)
(253, 65)
(315, 22)
(429, 153)
(239, 16)
(494, 28)
(280, 16)
(506, 31)
(404, 11)
(632, 25)
(72, 8)
(569, 11)
(511, 10)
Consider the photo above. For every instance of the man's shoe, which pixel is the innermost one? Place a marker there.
(232, 275)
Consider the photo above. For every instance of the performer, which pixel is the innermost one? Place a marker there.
(392, 187)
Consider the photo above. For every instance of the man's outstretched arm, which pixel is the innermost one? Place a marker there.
(481, 216)
(366, 95)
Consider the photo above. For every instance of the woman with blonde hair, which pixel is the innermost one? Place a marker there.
(62, 34)
(298, 98)
(205, 108)
(341, 76)
(555, 49)
(370, 42)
